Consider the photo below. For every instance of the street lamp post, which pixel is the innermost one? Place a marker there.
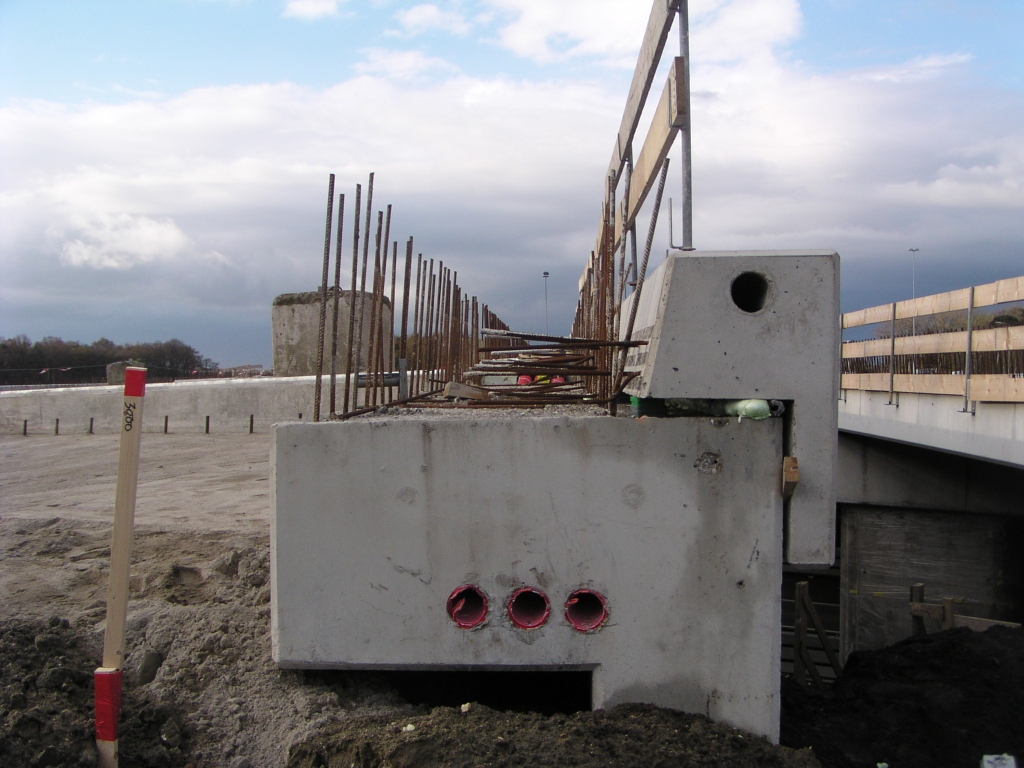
(546, 331)
(913, 285)
(913, 295)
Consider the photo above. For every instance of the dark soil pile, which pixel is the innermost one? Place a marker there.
(46, 703)
(944, 699)
(628, 736)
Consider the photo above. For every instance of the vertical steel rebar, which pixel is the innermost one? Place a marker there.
(417, 333)
(323, 300)
(381, 357)
(360, 362)
(349, 384)
(337, 303)
(428, 329)
(389, 354)
(435, 324)
(360, 318)
(403, 343)
(446, 313)
(371, 349)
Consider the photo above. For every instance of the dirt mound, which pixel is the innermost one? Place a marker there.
(46, 701)
(626, 736)
(942, 699)
(200, 605)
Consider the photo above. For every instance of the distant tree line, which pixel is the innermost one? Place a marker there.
(55, 361)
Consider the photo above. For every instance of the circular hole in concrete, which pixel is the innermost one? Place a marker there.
(750, 291)
(585, 610)
(467, 606)
(528, 608)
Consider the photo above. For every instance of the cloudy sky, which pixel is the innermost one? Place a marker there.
(164, 163)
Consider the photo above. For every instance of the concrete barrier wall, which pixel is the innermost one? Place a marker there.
(228, 402)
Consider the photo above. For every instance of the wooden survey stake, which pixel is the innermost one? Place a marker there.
(108, 677)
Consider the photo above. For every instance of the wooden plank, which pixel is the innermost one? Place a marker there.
(999, 292)
(995, 388)
(879, 314)
(935, 384)
(930, 383)
(948, 616)
(813, 643)
(985, 340)
(922, 383)
(999, 339)
(805, 597)
(980, 625)
(790, 476)
(985, 388)
(658, 26)
(854, 349)
(951, 301)
(668, 117)
(926, 610)
(457, 389)
(868, 382)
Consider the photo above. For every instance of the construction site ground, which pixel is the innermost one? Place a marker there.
(200, 599)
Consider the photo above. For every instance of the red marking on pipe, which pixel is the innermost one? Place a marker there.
(586, 610)
(524, 379)
(108, 703)
(528, 608)
(467, 606)
(134, 382)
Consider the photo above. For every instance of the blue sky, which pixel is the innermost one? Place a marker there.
(73, 51)
(163, 162)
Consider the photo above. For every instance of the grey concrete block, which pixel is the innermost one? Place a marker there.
(376, 523)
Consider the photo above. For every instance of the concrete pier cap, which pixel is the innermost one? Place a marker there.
(754, 324)
(646, 551)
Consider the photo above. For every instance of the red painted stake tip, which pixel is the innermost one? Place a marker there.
(134, 382)
(467, 606)
(108, 703)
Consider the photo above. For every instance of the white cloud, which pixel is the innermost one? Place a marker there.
(919, 68)
(551, 31)
(427, 17)
(501, 178)
(402, 65)
(120, 241)
(611, 30)
(743, 30)
(311, 9)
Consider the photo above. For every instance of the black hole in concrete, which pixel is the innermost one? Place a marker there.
(585, 610)
(467, 606)
(750, 291)
(528, 608)
(546, 692)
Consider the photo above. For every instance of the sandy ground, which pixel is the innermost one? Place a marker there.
(200, 482)
(200, 603)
